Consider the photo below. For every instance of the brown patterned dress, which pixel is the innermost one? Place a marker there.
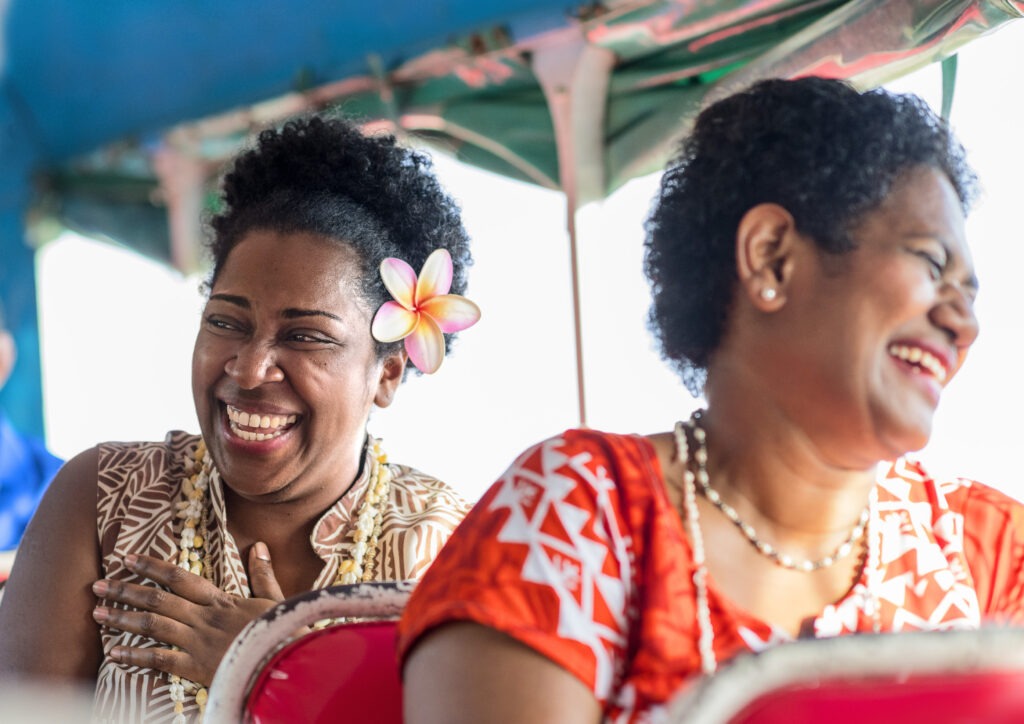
(139, 484)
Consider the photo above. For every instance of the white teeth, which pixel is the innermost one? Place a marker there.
(249, 435)
(275, 424)
(921, 357)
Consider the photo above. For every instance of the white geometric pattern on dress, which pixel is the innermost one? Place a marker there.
(906, 528)
(572, 567)
(934, 540)
(757, 644)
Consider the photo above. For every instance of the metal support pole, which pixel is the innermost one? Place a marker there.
(574, 77)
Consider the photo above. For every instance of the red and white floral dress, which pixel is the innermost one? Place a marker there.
(578, 553)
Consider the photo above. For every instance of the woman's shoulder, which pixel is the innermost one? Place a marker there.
(154, 456)
(418, 493)
(911, 482)
(588, 446)
(124, 469)
(174, 442)
(604, 474)
(421, 515)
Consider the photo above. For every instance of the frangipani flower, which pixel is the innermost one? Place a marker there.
(423, 310)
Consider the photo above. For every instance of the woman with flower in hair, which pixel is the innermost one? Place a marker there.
(338, 262)
(811, 275)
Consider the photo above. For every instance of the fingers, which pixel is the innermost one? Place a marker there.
(183, 583)
(261, 574)
(149, 598)
(159, 658)
(146, 623)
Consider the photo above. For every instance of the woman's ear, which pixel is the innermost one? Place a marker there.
(392, 372)
(765, 241)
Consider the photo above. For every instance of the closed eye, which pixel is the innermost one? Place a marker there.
(221, 324)
(309, 338)
(936, 266)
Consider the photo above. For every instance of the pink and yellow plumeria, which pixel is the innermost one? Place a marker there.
(423, 309)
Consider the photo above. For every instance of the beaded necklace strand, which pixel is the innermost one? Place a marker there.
(193, 556)
(691, 520)
(766, 549)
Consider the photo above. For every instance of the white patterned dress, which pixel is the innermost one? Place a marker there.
(139, 484)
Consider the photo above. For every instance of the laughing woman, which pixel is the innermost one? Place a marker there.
(284, 491)
(809, 267)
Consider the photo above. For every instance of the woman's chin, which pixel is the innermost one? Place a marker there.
(905, 438)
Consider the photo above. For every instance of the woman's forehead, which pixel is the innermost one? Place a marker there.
(282, 264)
(921, 200)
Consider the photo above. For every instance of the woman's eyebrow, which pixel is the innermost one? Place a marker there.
(231, 299)
(293, 313)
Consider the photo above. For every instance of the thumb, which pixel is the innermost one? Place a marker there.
(262, 580)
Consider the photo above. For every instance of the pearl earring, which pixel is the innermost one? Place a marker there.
(768, 294)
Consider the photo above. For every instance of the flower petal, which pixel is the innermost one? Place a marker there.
(426, 345)
(393, 322)
(452, 312)
(400, 280)
(435, 276)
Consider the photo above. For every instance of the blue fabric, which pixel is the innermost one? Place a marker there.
(26, 468)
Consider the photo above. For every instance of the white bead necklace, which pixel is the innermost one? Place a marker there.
(193, 556)
(766, 549)
(706, 639)
(691, 519)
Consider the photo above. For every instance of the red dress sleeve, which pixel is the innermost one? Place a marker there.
(994, 550)
(546, 556)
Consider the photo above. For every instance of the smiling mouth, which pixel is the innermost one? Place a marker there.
(921, 359)
(254, 427)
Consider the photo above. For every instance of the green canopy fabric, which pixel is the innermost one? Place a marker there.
(582, 108)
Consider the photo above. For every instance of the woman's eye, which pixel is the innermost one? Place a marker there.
(935, 266)
(219, 323)
(308, 338)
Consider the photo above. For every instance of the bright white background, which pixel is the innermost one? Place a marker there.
(117, 330)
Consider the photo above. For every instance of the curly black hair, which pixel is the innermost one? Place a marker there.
(324, 176)
(817, 147)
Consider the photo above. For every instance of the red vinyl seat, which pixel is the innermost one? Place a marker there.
(981, 697)
(954, 677)
(344, 672)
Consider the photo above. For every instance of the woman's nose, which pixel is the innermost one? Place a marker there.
(955, 314)
(255, 364)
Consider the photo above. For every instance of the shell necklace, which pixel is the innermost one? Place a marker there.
(691, 520)
(700, 455)
(194, 557)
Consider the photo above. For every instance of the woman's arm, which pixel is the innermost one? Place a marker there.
(465, 672)
(46, 613)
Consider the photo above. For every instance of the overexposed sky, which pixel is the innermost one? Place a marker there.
(117, 329)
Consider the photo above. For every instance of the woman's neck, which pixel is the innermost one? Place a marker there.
(778, 476)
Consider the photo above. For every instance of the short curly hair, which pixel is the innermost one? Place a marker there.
(324, 176)
(817, 147)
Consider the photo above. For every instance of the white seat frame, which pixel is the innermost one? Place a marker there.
(264, 636)
(718, 698)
